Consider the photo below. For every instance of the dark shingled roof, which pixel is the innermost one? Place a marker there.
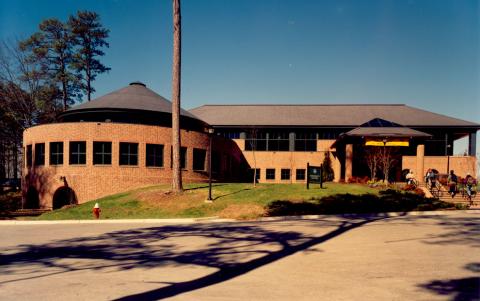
(322, 115)
(135, 96)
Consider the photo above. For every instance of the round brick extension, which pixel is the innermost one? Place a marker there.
(88, 182)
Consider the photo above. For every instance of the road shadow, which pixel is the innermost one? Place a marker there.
(460, 289)
(232, 249)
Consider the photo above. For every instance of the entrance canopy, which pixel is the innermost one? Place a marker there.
(379, 132)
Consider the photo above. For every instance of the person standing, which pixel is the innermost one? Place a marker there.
(452, 183)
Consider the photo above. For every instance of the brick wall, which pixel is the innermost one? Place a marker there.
(94, 181)
(288, 160)
(460, 164)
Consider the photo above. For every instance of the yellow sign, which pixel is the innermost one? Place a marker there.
(388, 143)
(373, 143)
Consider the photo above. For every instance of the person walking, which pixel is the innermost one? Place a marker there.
(452, 183)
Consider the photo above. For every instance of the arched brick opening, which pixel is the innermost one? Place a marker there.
(64, 196)
(32, 200)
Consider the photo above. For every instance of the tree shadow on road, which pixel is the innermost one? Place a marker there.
(232, 249)
(462, 289)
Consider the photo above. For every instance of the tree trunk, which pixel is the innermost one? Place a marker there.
(177, 172)
(88, 77)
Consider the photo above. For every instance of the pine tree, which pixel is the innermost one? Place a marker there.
(52, 49)
(327, 170)
(89, 37)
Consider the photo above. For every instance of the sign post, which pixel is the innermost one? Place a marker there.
(314, 175)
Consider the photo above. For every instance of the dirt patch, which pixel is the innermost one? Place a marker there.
(242, 211)
(169, 201)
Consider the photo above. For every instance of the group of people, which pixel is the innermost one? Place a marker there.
(431, 177)
(469, 183)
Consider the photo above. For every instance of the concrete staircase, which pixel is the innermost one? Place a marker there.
(458, 199)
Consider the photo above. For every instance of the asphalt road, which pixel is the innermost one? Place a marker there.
(427, 257)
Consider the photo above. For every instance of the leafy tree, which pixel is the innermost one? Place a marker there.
(27, 99)
(88, 36)
(176, 69)
(52, 49)
(327, 170)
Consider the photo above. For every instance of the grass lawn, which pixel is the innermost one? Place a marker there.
(233, 200)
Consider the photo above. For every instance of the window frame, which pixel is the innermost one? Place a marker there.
(128, 154)
(268, 173)
(283, 174)
(76, 152)
(39, 155)
(196, 153)
(29, 155)
(156, 148)
(303, 170)
(103, 153)
(56, 158)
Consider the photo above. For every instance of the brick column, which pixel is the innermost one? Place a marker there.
(348, 161)
(420, 163)
(337, 169)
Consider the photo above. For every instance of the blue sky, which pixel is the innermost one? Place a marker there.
(421, 53)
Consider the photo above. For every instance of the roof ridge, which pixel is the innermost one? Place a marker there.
(304, 104)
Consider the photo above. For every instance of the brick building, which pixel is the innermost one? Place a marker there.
(117, 142)
(122, 141)
(281, 139)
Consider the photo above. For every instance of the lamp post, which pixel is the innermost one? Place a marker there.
(210, 134)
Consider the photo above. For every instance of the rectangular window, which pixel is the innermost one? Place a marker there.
(306, 141)
(29, 155)
(39, 153)
(128, 153)
(102, 153)
(78, 152)
(154, 155)
(199, 159)
(270, 174)
(300, 176)
(183, 157)
(285, 174)
(56, 153)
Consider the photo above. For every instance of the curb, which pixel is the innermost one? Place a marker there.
(175, 221)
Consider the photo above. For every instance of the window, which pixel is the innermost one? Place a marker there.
(268, 141)
(154, 155)
(285, 174)
(39, 153)
(278, 141)
(29, 155)
(306, 142)
(102, 153)
(56, 153)
(199, 159)
(128, 153)
(300, 176)
(78, 152)
(270, 174)
(183, 157)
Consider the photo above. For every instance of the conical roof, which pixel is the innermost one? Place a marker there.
(135, 96)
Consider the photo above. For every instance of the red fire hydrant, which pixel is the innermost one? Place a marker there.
(96, 211)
